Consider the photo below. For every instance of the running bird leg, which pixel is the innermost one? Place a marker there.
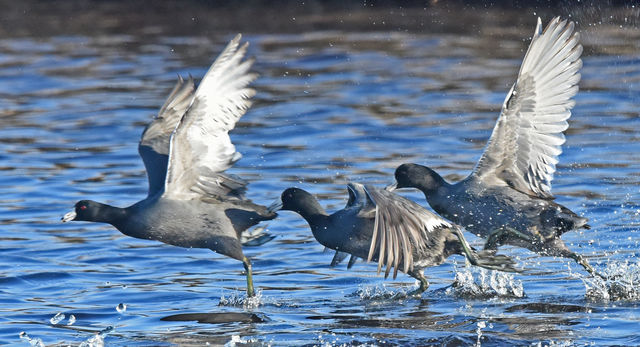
(487, 258)
(585, 264)
(497, 237)
(247, 267)
(424, 284)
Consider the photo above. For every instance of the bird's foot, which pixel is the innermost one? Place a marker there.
(500, 235)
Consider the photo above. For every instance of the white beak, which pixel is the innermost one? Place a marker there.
(69, 216)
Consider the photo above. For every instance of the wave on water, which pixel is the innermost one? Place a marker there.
(622, 283)
(475, 282)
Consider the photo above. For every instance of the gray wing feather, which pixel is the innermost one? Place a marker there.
(200, 147)
(401, 228)
(527, 138)
(154, 143)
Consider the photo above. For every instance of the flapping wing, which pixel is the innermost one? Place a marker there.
(154, 144)
(200, 147)
(526, 141)
(400, 228)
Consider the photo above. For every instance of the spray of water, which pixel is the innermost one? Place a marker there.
(474, 282)
(34, 342)
(238, 300)
(622, 283)
(380, 291)
(97, 340)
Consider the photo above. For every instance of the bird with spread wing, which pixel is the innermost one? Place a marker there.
(507, 198)
(186, 150)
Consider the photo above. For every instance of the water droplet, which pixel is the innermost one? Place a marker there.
(37, 342)
(121, 308)
(72, 319)
(57, 318)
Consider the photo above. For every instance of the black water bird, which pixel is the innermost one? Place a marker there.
(186, 149)
(379, 225)
(507, 198)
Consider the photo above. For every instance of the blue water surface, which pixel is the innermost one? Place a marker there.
(334, 104)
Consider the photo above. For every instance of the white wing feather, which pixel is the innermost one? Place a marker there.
(154, 142)
(527, 138)
(200, 149)
(401, 227)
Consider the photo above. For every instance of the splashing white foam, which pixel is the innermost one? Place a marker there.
(380, 292)
(482, 283)
(235, 339)
(238, 300)
(97, 340)
(480, 325)
(35, 342)
(622, 283)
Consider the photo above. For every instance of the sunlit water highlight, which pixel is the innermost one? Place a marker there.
(332, 106)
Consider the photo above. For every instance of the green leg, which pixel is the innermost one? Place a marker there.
(466, 248)
(424, 284)
(496, 238)
(585, 264)
(487, 259)
(247, 267)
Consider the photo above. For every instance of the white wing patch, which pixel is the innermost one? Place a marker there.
(527, 138)
(201, 149)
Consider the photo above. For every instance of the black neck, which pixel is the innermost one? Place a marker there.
(111, 214)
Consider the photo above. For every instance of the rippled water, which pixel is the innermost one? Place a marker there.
(344, 96)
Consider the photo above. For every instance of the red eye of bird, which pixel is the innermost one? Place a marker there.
(83, 207)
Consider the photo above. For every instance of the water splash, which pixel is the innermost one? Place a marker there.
(334, 340)
(236, 340)
(622, 283)
(59, 317)
(37, 342)
(380, 292)
(72, 319)
(473, 282)
(97, 340)
(238, 300)
(480, 325)
(552, 343)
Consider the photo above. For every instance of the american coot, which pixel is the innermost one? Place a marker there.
(398, 233)
(186, 149)
(507, 198)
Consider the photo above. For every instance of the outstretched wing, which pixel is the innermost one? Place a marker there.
(401, 228)
(200, 147)
(154, 144)
(526, 141)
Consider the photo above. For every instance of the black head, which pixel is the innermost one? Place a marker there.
(418, 176)
(86, 210)
(293, 198)
(300, 201)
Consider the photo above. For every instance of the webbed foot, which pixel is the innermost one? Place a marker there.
(424, 283)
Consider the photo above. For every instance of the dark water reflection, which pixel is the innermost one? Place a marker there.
(346, 93)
